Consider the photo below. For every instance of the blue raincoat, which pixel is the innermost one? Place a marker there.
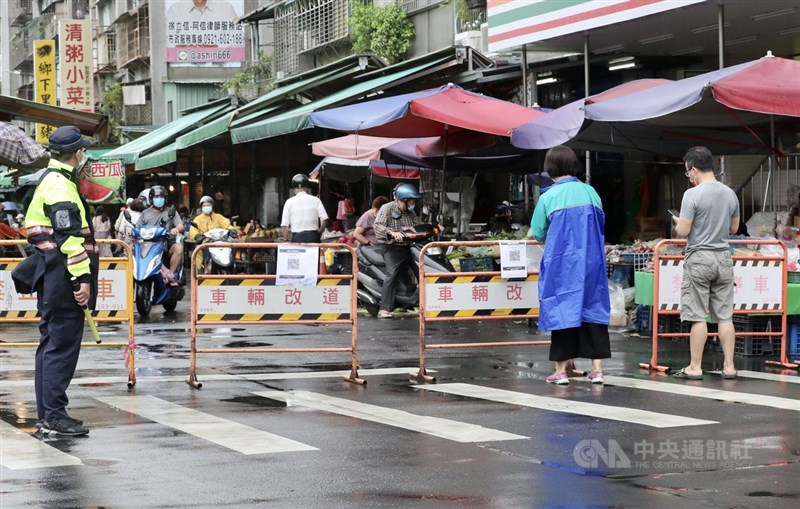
(573, 287)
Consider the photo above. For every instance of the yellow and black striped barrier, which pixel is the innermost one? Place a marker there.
(258, 299)
(447, 296)
(114, 300)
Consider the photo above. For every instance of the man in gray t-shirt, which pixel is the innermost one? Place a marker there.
(709, 214)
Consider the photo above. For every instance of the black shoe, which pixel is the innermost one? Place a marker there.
(38, 424)
(66, 427)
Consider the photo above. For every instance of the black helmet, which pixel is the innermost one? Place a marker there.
(299, 181)
(406, 192)
(157, 191)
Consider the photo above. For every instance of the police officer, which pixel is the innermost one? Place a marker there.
(303, 214)
(65, 279)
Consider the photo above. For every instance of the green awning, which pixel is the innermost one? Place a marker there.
(97, 153)
(131, 152)
(160, 157)
(297, 118)
(263, 105)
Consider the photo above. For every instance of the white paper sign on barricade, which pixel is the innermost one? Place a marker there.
(758, 284)
(111, 292)
(512, 259)
(297, 265)
(470, 295)
(272, 302)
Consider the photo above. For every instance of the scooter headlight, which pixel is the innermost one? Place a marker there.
(434, 251)
(151, 267)
(147, 233)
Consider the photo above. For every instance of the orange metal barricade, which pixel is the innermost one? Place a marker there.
(256, 312)
(529, 310)
(110, 307)
(676, 261)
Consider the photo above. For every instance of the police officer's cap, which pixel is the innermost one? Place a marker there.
(67, 140)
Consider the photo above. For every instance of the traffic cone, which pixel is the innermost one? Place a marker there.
(323, 269)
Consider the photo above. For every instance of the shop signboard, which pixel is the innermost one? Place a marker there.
(206, 35)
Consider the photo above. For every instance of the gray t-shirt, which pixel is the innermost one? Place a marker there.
(154, 217)
(711, 207)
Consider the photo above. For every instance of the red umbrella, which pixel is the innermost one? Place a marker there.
(19, 150)
(435, 112)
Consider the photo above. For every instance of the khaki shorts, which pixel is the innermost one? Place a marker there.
(707, 287)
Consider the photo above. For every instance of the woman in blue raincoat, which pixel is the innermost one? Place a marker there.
(573, 289)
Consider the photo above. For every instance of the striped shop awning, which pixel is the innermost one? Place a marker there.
(513, 23)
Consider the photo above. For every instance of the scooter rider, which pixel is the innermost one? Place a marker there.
(207, 220)
(158, 214)
(391, 219)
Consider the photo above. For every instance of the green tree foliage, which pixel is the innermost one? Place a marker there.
(112, 108)
(383, 31)
(258, 71)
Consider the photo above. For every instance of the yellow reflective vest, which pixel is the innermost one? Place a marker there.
(77, 243)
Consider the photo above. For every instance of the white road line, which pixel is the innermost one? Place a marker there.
(76, 382)
(772, 377)
(616, 413)
(232, 435)
(443, 428)
(21, 451)
(704, 392)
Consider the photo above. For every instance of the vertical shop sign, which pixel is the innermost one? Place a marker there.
(75, 60)
(44, 68)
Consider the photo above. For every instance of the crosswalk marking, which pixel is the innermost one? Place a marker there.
(633, 415)
(705, 392)
(21, 451)
(772, 377)
(253, 377)
(443, 428)
(232, 435)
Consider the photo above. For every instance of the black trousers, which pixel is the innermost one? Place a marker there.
(589, 341)
(395, 258)
(308, 236)
(61, 332)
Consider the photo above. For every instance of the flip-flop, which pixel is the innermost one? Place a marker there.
(729, 376)
(686, 376)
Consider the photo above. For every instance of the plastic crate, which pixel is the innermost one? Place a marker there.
(640, 260)
(753, 346)
(476, 264)
(666, 323)
(794, 277)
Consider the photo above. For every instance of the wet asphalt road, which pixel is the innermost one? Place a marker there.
(165, 444)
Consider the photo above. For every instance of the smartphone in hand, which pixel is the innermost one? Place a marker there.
(674, 212)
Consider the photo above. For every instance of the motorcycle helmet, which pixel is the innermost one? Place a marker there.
(206, 199)
(299, 181)
(156, 191)
(407, 192)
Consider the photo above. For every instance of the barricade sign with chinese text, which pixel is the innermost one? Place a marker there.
(256, 299)
(759, 288)
(114, 301)
(448, 296)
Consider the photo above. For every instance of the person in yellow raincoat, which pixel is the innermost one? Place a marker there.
(207, 220)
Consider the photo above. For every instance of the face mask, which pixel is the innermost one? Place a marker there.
(207, 209)
(159, 202)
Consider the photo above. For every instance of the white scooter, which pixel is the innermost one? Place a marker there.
(217, 260)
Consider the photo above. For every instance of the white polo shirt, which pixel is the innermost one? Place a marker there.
(303, 213)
